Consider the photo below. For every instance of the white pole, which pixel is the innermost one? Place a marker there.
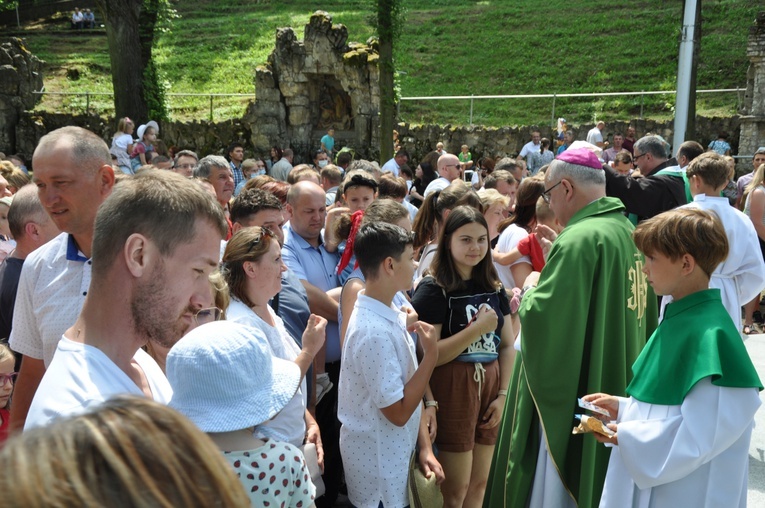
(685, 61)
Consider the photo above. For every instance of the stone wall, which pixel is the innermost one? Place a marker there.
(487, 141)
(753, 112)
(308, 86)
(20, 75)
(213, 138)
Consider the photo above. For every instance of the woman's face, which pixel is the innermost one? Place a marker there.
(468, 245)
(493, 216)
(267, 278)
(5, 229)
(418, 172)
(273, 153)
(6, 387)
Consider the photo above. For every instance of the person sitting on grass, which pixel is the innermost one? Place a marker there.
(681, 438)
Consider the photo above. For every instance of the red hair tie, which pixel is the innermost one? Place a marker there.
(348, 253)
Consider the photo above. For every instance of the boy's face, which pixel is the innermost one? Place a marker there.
(404, 269)
(359, 197)
(622, 168)
(664, 274)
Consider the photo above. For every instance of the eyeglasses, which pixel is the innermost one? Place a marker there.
(546, 193)
(208, 315)
(4, 378)
(636, 157)
(263, 232)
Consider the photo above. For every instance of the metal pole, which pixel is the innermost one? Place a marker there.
(211, 108)
(738, 100)
(471, 109)
(552, 119)
(18, 23)
(641, 103)
(87, 103)
(684, 72)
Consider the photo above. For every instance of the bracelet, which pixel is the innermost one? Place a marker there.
(524, 290)
(431, 403)
(501, 392)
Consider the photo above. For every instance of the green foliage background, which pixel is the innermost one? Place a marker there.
(446, 47)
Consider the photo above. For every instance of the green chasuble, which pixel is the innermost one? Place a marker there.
(582, 328)
(696, 339)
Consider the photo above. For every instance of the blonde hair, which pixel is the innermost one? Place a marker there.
(491, 197)
(129, 452)
(543, 211)
(757, 180)
(123, 123)
(219, 287)
(247, 244)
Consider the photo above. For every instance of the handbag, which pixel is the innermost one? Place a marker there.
(423, 492)
(312, 461)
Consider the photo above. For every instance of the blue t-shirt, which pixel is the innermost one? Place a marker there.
(719, 146)
(329, 142)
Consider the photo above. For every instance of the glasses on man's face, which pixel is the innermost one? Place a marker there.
(208, 315)
(263, 232)
(546, 193)
(636, 157)
(4, 378)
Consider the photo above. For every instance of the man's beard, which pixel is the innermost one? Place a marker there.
(152, 311)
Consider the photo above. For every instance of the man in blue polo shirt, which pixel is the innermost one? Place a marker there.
(305, 255)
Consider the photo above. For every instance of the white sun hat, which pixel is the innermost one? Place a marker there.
(142, 128)
(224, 377)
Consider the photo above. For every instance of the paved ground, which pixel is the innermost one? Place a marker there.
(755, 344)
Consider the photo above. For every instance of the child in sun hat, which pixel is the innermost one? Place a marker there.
(147, 136)
(227, 383)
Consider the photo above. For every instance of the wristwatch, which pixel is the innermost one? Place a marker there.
(431, 403)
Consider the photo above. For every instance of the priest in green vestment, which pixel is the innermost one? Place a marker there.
(582, 327)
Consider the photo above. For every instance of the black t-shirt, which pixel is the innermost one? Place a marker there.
(10, 271)
(453, 311)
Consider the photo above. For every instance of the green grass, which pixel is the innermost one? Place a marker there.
(448, 47)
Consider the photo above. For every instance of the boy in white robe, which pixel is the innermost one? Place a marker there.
(741, 276)
(682, 437)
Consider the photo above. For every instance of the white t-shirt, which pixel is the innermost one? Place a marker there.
(594, 136)
(119, 148)
(378, 360)
(82, 376)
(439, 183)
(52, 288)
(528, 148)
(391, 166)
(289, 424)
(508, 240)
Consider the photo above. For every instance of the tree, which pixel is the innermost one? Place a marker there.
(131, 29)
(389, 21)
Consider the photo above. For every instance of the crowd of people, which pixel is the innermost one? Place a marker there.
(225, 331)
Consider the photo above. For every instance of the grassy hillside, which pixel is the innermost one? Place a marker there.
(448, 47)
